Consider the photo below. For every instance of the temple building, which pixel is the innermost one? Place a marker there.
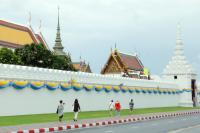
(124, 65)
(14, 35)
(82, 67)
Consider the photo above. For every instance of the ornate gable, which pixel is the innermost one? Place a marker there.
(126, 64)
(113, 65)
(88, 69)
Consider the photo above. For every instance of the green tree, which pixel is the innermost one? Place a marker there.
(37, 55)
(62, 62)
(7, 56)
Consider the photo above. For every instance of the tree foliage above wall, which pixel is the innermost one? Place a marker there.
(62, 62)
(7, 56)
(35, 55)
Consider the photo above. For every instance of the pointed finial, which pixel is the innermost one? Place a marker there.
(40, 25)
(111, 49)
(136, 52)
(58, 8)
(58, 16)
(178, 34)
(29, 20)
(115, 46)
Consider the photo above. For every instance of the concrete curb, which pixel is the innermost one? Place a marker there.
(106, 123)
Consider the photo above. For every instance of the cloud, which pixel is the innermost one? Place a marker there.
(89, 28)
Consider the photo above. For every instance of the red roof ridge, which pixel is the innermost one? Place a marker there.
(41, 39)
(40, 33)
(13, 25)
(20, 27)
(9, 44)
(36, 37)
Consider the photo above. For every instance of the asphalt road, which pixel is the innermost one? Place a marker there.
(182, 124)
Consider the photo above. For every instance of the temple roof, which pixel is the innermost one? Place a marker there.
(131, 61)
(178, 64)
(82, 66)
(41, 39)
(14, 35)
(124, 62)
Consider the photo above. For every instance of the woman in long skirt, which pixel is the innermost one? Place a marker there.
(76, 109)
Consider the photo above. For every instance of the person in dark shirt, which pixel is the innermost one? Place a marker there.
(131, 105)
(76, 109)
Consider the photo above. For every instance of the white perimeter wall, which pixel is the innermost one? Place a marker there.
(28, 101)
(17, 72)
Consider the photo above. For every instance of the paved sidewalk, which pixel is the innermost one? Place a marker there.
(6, 129)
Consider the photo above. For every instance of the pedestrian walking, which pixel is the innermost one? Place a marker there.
(111, 107)
(60, 110)
(76, 109)
(117, 108)
(131, 105)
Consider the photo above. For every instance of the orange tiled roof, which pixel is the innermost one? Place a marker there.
(125, 62)
(14, 35)
(131, 61)
(82, 68)
(77, 66)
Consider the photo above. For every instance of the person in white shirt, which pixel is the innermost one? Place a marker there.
(111, 107)
(60, 110)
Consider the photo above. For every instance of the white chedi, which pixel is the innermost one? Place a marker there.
(178, 64)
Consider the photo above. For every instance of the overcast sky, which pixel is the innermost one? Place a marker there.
(89, 28)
